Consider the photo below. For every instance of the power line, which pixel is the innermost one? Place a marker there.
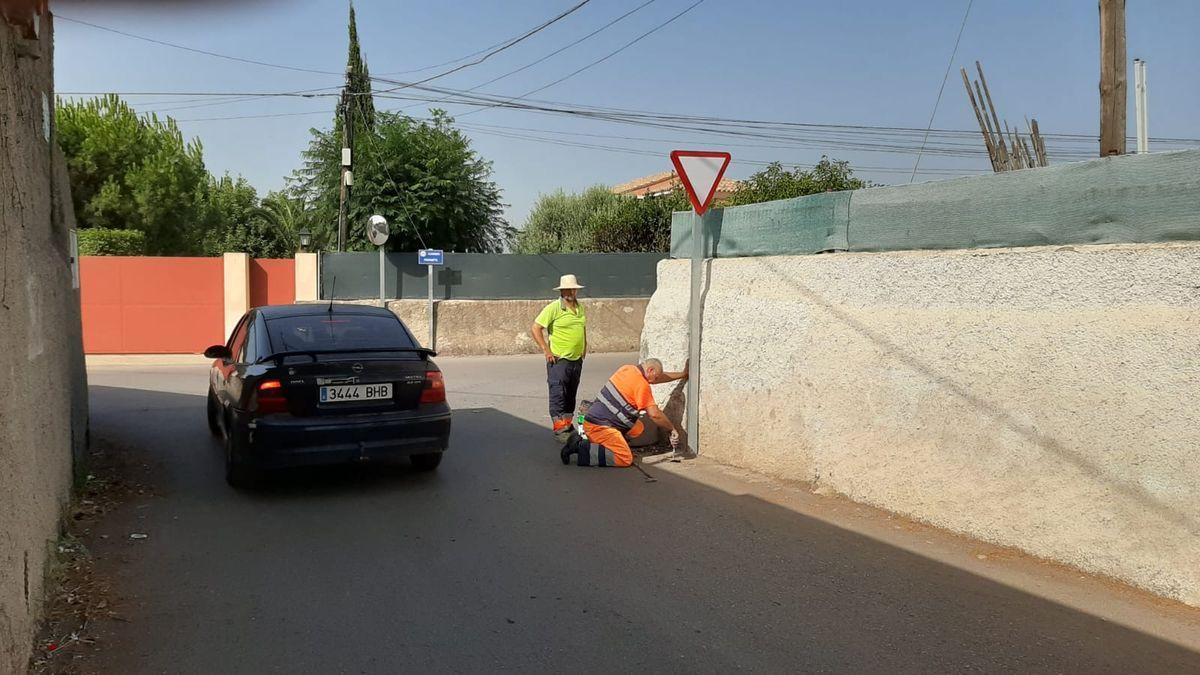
(257, 94)
(555, 52)
(600, 60)
(620, 49)
(485, 57)
(451, 61)
(491, 51)
(195, 50)
(753, 162)
(707, 124)
(235, 97)
(942, 88)
(504, 45)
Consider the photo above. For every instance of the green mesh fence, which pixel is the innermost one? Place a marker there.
(1128, 199)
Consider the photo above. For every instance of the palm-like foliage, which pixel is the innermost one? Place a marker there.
(287, 216)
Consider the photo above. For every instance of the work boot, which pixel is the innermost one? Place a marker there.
(562, 429)
(571, 447)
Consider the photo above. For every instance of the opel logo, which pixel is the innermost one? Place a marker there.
(357, 368)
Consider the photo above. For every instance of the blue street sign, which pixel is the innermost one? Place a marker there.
(430, 256)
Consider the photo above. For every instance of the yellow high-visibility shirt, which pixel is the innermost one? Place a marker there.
(566, 329)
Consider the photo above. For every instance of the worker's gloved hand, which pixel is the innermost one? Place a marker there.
(675, 439)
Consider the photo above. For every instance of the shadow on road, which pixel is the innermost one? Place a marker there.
(505, 558)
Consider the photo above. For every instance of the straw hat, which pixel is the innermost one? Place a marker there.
(568, 282)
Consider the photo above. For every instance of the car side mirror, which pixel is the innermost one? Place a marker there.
(218, 352)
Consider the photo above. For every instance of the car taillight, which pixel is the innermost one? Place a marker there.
(271, 398)
(435, 388)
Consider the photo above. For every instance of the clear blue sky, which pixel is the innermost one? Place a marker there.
(873, 62)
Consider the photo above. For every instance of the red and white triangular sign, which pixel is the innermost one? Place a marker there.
(701, 173)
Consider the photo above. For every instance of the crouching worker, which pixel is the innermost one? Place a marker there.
(614, 414)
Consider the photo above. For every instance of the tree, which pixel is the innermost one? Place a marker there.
(422, 176)
(131, 172)
(562, 223)
(287, 216)
(103, 241)
(598, 221)
(775, 182)
(358, 79)
(236, 222)
(638, 225)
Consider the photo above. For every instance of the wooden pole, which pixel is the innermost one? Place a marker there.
(344, 109)
(1039, 145)
(987, 139)
(1002, 157)
(992, 107)
(1112, 77)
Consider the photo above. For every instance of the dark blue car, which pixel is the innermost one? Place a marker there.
(302, 385)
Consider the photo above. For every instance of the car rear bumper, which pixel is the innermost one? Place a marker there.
(282, 441)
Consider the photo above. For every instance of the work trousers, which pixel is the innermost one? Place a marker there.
(604, 446)
(563, 378)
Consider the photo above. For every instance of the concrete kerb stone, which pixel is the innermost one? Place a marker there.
(142, 360)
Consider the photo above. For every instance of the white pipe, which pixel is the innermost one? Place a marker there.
(1145, 109)
(1139, 78)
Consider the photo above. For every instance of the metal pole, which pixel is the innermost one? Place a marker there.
(1137, 102)
(693, 383)
(382, 297)
(1139, 99)
(431, 344)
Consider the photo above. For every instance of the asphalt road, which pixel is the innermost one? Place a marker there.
(506, 560)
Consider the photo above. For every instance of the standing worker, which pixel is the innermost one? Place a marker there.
(566, 323)
(615, 414)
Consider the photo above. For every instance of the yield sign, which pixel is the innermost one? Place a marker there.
(700, 172)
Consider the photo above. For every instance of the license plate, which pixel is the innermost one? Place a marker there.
(350, 393)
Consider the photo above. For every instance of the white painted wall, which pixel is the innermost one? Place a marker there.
(1042, 398)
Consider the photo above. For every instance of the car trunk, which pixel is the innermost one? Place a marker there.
(351, 383)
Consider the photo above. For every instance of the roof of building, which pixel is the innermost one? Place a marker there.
(726, 185)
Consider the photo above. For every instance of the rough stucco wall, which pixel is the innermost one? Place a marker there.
(1042, 398)
(43, 406)
(500, 327)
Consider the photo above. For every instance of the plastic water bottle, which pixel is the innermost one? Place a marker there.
(579, 426)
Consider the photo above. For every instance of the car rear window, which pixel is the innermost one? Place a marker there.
(337, 331)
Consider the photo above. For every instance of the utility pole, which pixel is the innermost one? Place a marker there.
(1112, 77)
(347, 181)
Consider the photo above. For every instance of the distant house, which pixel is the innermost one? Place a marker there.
(663, 183)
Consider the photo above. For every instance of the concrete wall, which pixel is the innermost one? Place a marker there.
(306, 277)
(496, 327)
(1042, 398)
(43, 408)
(236, 271)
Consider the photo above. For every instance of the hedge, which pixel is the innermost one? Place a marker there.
(105, 241)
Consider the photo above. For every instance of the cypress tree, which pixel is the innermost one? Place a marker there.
(358, 80)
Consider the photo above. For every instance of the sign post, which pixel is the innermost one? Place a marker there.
(377, 233)
(700, 172)
(430, 257)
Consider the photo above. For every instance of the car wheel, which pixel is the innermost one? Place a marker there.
(237, 474)
(427, 461)
(213, 410)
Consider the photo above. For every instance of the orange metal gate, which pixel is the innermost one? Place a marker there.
(151, 305)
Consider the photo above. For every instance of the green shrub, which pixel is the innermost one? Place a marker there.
(105, 241)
